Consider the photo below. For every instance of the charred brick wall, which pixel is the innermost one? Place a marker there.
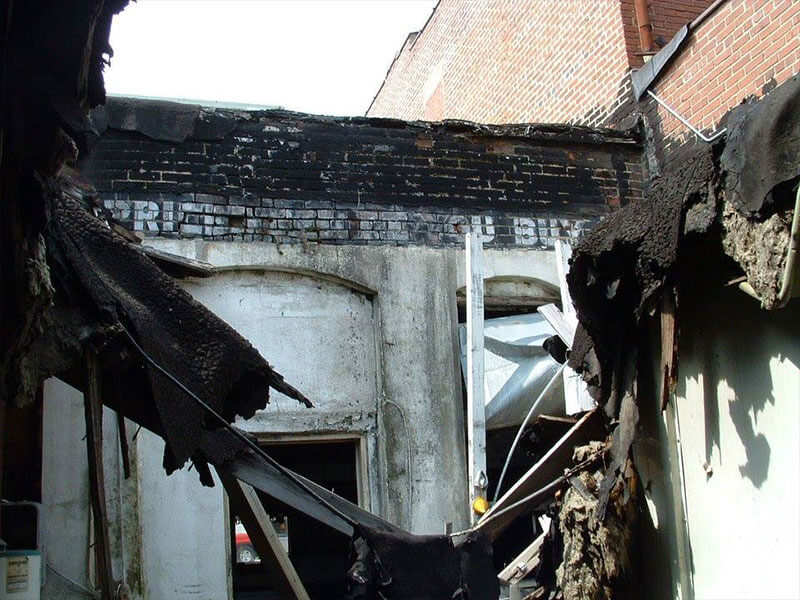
(288, 177)
(744, 49)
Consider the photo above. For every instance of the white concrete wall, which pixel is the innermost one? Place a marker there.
(184, 546)
(65, 493)
(738, 407)
(65, 482)
(320, 335)
(369, 333)
(721, 466)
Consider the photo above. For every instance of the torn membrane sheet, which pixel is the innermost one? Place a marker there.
(121, 287)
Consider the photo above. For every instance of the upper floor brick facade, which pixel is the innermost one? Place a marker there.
(515, 61)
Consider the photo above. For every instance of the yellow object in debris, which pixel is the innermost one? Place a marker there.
(480, 505)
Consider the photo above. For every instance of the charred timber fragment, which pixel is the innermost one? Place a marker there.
(93, 404)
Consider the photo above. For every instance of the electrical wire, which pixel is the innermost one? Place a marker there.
(242, 437)
(522, 428)
(531, 497)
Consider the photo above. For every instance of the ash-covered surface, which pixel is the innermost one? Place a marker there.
(102, 272)
(762, 149)
(618, 270)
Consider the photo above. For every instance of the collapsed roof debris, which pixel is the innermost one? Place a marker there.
(125, 290)
(734, 198)
(599, 553)
(761, 162)
(430, 567)
(619, 271)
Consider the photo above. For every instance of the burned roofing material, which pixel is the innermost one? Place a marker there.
(619, 270)
(736, 196)
(127, 292)
(763, 149)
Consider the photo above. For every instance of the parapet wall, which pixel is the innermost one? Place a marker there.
(174, 170)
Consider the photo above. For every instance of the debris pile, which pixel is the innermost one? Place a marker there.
(598, 559)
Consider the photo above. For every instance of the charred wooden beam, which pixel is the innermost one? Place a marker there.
(93, 409)
(248, 507)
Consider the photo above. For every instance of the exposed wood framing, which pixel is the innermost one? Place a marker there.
(669, 347)
(248, 507)
(549, 468)
(93, 410)
(523, 565)
(476, 403)
(123, 446)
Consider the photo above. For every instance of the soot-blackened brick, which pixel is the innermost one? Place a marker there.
(360, 180)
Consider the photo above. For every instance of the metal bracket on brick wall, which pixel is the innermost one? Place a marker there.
(714, 136)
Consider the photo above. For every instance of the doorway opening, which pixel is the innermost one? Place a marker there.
(319, 554)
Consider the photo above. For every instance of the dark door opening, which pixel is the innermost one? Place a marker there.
(319, 553)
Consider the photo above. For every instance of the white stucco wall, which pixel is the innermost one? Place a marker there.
(184, 546)
(721, 465)
(65, 491)
(369, 333)
(319, 334)
(65, 481)
(738, 407)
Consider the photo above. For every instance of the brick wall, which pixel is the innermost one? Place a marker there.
(668, 16)
(514, 61)
(287, 177)
(503, 61)
(745, 48)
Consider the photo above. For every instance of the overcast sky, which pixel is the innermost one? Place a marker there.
(318, 56)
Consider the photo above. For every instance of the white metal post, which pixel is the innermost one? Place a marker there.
(576, 395)
(476, 404)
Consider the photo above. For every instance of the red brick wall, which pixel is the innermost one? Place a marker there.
(668, 16)
(501, 61)
(743, 49)
(513, 61)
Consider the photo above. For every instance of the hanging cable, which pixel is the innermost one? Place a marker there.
(522, 428)
(543, 491)
(242, 437)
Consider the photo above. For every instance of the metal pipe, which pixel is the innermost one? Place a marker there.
(644, 25)
(791, 255)
(695, 130)
(706, 13)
